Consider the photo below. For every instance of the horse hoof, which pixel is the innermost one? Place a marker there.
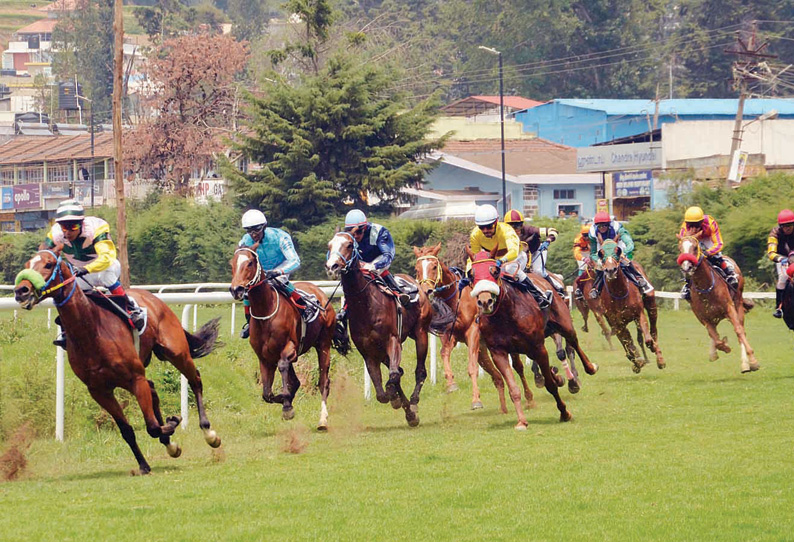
(322, 427)
(452, 388)
(476, 405)
(288, 414)
(636, 368)
(521, 426)
(396, 403)
(573, 386)
(595, 368)
(212, 438)
(560, 380)
(566, 416)
(714, 357)
(661, 364)
(173, 449)
(754, 365)
(540, 382)
(173, 420)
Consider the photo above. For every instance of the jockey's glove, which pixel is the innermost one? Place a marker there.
(462, 283)
(273, 273)
(784, 262)
(544, 245)
(369, 266)
(499, 264)
(80, 271)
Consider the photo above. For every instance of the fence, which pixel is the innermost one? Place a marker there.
(192, 299)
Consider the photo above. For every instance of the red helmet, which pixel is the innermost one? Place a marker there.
(601, 217)
(786, 216)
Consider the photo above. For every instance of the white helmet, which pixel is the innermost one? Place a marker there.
(485, 214)
(254, 218)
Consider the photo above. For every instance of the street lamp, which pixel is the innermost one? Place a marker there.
(91, 122)
(502, 122)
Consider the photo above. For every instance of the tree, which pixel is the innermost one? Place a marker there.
(194, 103)
(340, 137)
(83, 48)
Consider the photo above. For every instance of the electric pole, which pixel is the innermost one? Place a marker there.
(118, 72)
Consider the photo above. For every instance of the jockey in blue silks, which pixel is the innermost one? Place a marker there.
(276, 254)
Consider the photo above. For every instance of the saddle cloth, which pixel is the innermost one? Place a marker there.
(406, 286)
(115, 304)
(312, 306)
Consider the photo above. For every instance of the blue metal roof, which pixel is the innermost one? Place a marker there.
(684, 107)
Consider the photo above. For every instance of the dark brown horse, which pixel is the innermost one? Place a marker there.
(278, 333)
(379, 325)
(623, 303)
(587, 305)
(511, 322)
(436, 278)
(787, 304)
(712, 301)
(102, 350)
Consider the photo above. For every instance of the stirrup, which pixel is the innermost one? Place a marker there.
(686, 294)
(245, 332)
(778, 313)
(577, 294)
(544, 299)
(594, 294)
(733, 280)
(404, 299)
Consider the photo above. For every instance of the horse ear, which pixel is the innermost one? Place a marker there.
(336, 230)
(618, 251)
(436, 249)
(469, 253)
(416, 251)
(601, 253)
(57, 249)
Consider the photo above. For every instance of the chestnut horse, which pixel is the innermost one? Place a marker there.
(511, 322)
(623, 303)
(379, 324)
(102, 350)
(278, 333)
(587, 305)
(436, 278)
(713, 300)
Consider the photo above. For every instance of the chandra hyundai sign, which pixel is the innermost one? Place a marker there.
(629, 157)
(27, 196)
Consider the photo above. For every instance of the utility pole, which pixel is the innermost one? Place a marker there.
(118, 72)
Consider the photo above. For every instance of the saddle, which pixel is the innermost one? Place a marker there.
(115, 304)
(406, 286)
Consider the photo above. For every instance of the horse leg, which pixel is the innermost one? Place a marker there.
(485, 361)
(624, 335)
(393, 389)
(289, 380)
(585, 310)
(475, 352)
(641, 325)
(420, 375)
(717, 343)
(652, 342)
(324, 382)
(503, 364)
(558, 344)
(519, 368)
(574, 384)
(268, 372)
(749, 363)
(540, 355)
(173, 449)
(373, 368)
(106, 399)
(143, 394)
(447, 344)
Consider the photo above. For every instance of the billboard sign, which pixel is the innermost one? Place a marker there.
(209, 190)
(8, 197)
(631, 156)
(631, 184)
(27, 196)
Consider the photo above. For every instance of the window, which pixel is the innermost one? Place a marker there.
(7, 176)
(599, 192)
(58, 173)
(564, 194)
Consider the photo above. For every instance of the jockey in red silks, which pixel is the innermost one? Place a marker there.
(706, 230)
(603, 229)
(780, 248)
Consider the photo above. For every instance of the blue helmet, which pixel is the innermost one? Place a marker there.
(355, 218)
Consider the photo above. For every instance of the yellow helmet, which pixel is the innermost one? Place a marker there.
(585, 229)
(513, 216)
(693, 214)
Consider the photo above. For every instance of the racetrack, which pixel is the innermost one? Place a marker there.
(695, 452)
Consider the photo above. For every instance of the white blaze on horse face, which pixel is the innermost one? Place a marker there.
(425, 271)
(334, 251)
(686, 248)
(242, 261)
(34, 261)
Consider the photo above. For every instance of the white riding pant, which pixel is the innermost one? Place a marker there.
(782, 278)
(517, 266)
(539, 266)
(105, 278)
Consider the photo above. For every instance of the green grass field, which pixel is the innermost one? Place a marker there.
(695, 452)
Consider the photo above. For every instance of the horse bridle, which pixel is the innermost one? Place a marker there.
(256, 279)
(699, 261)
(348, 262)
(439, 277)
(56, 274)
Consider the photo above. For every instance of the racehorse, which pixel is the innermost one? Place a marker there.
(278, 333)
(379, 324)
(436, 278)
(586, 305)
(623, 303)
(713, 300)
(102, 350)
(511, 322)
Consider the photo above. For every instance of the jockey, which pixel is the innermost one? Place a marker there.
(605, 228)
(88, 247)
(581, 251)
(490, 233)
(276, 255)
(706, 230)
(780, 246)
(536, 251)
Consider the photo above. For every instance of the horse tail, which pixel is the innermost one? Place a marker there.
(341, 340)
(205, 340)
(748, 304)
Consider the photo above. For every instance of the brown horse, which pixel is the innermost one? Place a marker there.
(511, 322)
(623, 303)
(102, 351)
(435, 277)
(379, 324)
(787, 304)
(279, 334)
(587, 305)
(712, 301)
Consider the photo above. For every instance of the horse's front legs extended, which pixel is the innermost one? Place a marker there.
(106, 399)
(502, 362)
(737, 320)
(624, 335)
(174, 450)
(324, 383)
(448, 343)
(289, 381)
(518, 366)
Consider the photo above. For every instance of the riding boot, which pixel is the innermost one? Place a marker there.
(299, 303)
(246, 331)
(578, 295)
(61, 340)
(598, 283)
(341, 321)
(686, 293)
(137, 314)
(557, 288)
(778, 302)
(728, 268)
(543, 299)
(391, 282)
(635, 276)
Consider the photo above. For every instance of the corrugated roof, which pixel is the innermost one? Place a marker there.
(473, 105)
(42, 26)
(31, 149)
(516, 102)
(696, 106)
(522, 156)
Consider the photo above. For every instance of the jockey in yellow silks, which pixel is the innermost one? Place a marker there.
(706, 230)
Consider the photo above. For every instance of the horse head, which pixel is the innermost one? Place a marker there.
(428, 267)
(342, 253)
(610, 254)
(43, 274)
(484, 276)
(246, 271)
(689, 254)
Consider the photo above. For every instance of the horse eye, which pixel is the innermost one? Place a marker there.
(49, 265)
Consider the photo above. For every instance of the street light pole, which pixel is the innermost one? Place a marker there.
(501, 122)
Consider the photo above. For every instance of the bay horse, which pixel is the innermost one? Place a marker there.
(278, 333)
(436, 278)
(379, 324)
(713, 300)
(623, 303)
(587, 305)
(102, 350)
(787, 304)
(511, 322)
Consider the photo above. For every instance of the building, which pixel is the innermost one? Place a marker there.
(29, 51)
(486, 108)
